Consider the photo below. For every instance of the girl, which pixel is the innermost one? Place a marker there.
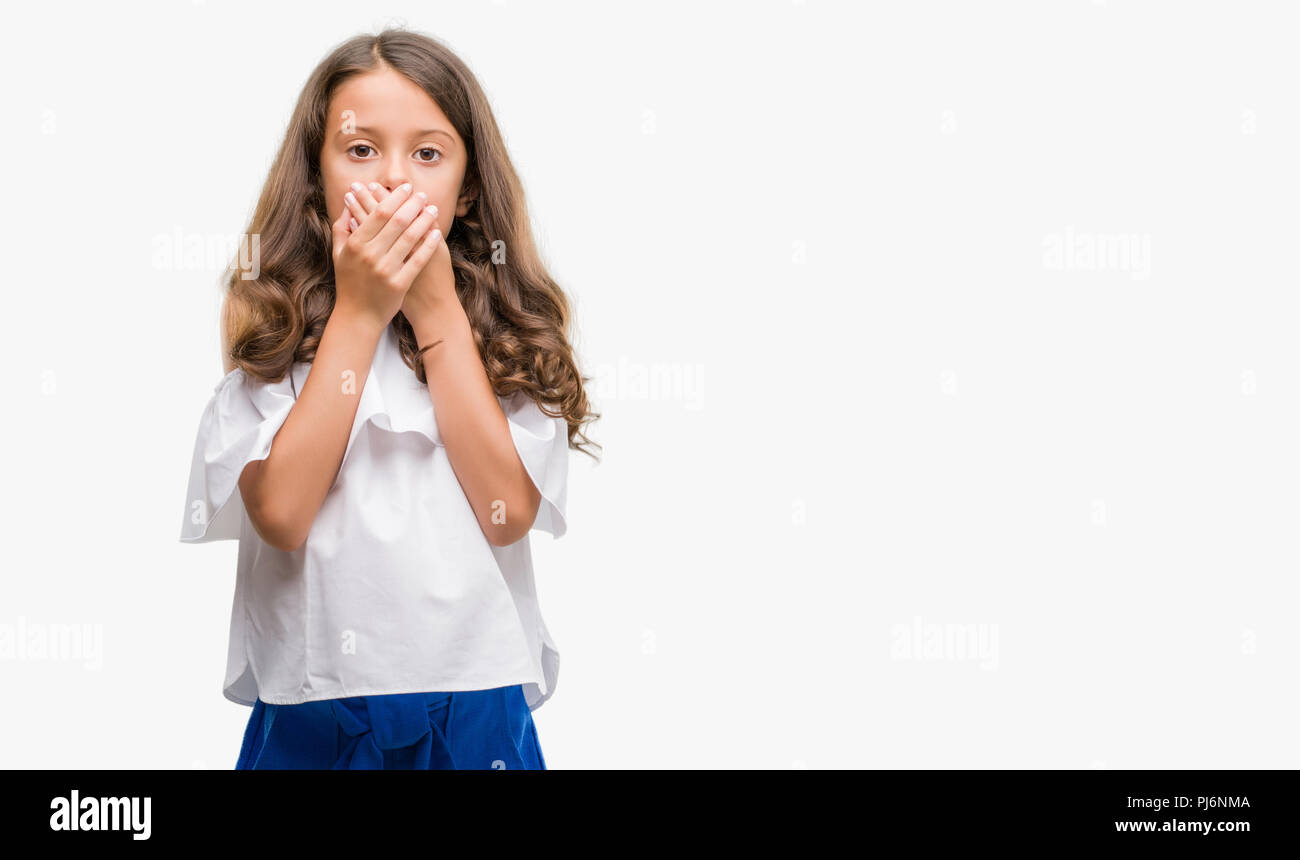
(399, 402)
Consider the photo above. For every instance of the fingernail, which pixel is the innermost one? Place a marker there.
(421, 195)
(406, 188)
(374, 186)
(356, 186)
(348, 197)
(431, 209)
(355, 225)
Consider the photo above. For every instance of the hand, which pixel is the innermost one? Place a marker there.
(435, 283)
(375, 257)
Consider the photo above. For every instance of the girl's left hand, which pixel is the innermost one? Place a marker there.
(435, 283)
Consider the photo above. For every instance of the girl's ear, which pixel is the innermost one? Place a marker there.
(468, 194)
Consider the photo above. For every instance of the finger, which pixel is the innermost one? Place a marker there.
(421, 256)
(400, 215)
(355, 209)
(423, 224)
(339, 232)
(427, 236)
(368, 196)
(373, 224)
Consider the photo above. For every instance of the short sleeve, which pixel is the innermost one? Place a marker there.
(237, 427)
(543, 445)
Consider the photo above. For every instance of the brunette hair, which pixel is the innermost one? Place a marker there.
(519, 315)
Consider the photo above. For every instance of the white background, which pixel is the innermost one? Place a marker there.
(850, 402)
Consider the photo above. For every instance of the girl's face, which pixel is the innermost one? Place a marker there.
(383, 128)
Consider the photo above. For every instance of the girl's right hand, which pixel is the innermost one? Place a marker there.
(371, 269)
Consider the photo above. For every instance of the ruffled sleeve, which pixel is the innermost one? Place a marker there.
(543, 445)
(237, 427)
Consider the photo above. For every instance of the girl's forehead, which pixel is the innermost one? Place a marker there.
(384, 101)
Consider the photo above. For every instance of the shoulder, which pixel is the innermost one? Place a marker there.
(522, 406)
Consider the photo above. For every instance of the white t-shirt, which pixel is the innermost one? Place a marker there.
(396, 589)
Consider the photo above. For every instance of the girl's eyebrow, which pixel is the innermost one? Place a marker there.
(428, 132)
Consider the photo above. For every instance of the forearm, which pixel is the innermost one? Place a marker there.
(284, 492)
(473, 427)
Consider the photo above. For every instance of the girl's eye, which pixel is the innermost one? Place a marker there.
(428, 149)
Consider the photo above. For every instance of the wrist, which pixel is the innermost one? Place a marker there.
(356, 323)
(442, 320)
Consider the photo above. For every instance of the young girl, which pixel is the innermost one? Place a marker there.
(398, 407)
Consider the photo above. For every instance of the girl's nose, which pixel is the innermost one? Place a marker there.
(394, 177)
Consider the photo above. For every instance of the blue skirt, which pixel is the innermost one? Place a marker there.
(465, 730)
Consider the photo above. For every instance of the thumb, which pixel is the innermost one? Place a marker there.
(339, 232)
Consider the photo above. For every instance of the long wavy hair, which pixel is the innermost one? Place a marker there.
(519, 315)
